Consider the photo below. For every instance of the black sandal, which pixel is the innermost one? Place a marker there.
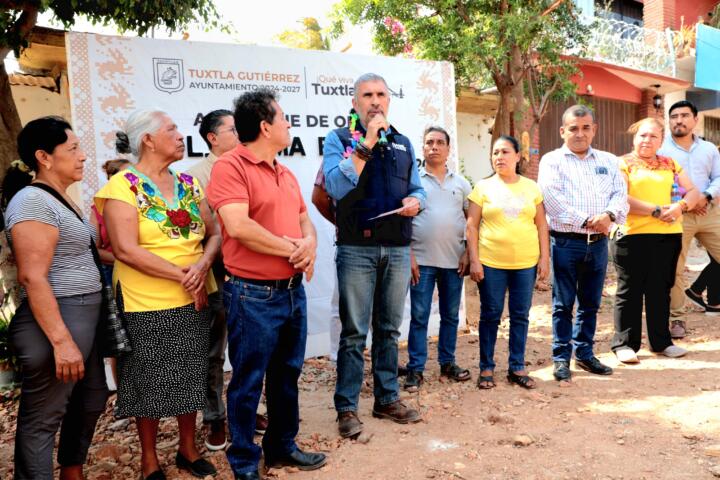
(489, 381)
(454, 372)
(525, 381)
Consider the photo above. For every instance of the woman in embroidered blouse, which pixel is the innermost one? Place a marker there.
(111, 167)
(158, 222)
(646, 249)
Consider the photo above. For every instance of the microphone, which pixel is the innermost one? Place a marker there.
(383, 136)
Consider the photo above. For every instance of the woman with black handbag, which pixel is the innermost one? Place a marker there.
(55, 330)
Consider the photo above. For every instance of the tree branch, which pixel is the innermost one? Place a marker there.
(22, 26)
(552, 7)
(545, 101)
(462, 12)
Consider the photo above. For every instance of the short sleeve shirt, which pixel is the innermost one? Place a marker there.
(274, 201)
(508, 236)
(651, 184)
(172, 229)
(73, 270)
(438, 235)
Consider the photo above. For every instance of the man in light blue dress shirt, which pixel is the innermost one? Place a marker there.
(702, 162)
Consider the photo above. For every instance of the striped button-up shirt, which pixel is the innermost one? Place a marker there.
(575, 189)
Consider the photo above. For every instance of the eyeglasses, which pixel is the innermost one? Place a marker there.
(231, 129)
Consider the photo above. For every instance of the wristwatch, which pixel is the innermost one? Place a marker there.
(610, 214)
(656, 213)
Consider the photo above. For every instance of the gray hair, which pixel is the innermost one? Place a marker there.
(368, 77)
(577, 111)
(138, 124)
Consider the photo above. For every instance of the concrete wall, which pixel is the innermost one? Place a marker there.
(605, 85)
(35, 102)
(474, 145)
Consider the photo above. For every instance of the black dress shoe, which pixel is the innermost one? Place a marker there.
(248, 476)
(156, 475)
(562, 371)
(298, 459)
(593, 365)
(200, 468)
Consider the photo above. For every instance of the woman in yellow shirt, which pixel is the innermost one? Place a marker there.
(646, 249)
(508, 245)
(158, 221)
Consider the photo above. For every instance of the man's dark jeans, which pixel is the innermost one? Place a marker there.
(370, 277)
(267, 329)
(579, 269)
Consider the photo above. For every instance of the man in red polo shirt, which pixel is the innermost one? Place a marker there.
(268, 243)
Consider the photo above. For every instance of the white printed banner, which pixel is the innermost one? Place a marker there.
(112, 76)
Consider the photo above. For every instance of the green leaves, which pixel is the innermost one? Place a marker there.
(309, 37)
(506, 42)
(127, 15)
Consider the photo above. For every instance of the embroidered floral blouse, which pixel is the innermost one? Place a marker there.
(169, 228)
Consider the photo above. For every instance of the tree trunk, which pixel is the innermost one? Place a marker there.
(10, 125)
(502, 119)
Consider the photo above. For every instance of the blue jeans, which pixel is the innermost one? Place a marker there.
(579, 270)
(519, 285)
(363, 271)
(449, 285)
(267, 329)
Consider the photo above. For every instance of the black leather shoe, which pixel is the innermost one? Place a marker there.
(200, 468)
(248, 476)
(561, 372)
(156, 475)
(593, 365)
(413, 381)
(298, 459)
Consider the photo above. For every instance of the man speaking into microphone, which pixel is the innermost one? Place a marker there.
(371, 174)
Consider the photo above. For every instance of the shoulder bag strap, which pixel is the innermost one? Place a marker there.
(61, 199)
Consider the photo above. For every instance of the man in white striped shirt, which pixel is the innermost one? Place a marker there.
(584, 194)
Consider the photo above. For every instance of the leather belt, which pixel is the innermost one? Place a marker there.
(590, 238)
(284, 284)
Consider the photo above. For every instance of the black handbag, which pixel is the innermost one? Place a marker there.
(112, 337)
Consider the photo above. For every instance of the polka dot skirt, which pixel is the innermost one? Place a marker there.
(166, 373)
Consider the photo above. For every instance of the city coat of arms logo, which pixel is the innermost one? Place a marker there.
(168, 74)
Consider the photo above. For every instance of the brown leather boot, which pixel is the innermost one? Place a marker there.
(397, 412)
(349, 425)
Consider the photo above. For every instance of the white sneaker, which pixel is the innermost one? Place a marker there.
(626, 355)
(673, 351)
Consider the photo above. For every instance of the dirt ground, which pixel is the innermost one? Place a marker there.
(659, 419)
